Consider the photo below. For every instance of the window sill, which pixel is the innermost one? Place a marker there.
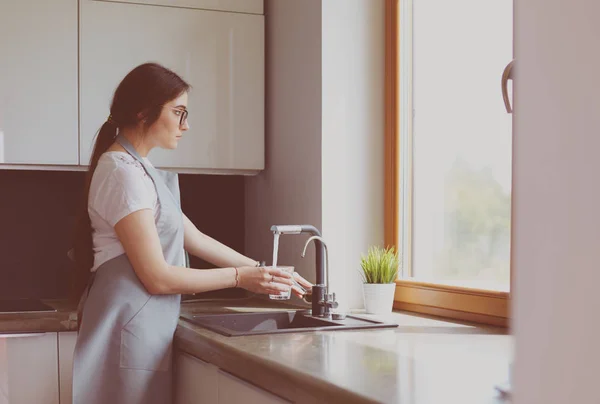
(454, 302)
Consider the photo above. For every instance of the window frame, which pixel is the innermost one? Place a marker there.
(460, 303)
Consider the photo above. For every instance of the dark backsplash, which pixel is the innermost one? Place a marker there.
(37, 211)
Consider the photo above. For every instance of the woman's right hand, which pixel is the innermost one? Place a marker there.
(266, 280)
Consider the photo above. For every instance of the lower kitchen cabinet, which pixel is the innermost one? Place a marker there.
(66, 348)
(38, 368)
(198, 382)
(28, 368)
(195, 381)
(233, 390)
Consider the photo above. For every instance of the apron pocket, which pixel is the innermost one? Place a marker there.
(146, 340)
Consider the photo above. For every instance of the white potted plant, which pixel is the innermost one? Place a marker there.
(379, 271)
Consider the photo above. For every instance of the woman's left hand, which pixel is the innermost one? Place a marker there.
(302, 282)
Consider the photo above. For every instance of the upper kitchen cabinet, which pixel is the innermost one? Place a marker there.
(38, 82)
(235, 6)
(221, 54)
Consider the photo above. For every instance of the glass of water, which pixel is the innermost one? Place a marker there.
(284, 295)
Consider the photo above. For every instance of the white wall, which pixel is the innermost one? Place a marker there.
(324, 152)
(556, 199)
(289, 190)
(353, 53)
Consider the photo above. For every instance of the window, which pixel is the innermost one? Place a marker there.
(449, 149)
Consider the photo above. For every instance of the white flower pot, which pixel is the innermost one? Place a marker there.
(379, 297)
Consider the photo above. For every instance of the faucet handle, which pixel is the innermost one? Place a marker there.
(330, 301)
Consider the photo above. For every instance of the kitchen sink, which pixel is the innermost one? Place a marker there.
(237, 324)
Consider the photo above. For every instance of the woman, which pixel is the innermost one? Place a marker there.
(131, 236)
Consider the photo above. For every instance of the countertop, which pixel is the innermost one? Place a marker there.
(422, 361)
(63, 319)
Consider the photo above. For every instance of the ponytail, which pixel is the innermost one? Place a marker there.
(83, 252)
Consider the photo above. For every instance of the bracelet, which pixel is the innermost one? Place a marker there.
(237, 280)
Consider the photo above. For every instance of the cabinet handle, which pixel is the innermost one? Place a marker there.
(27, 335)
(507, 75)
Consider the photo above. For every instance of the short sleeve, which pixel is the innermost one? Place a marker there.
(120, 192)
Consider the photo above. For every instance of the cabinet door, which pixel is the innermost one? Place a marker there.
(220, 54)
(239, 6)
(28, 369)
(38, 82)
(66, 348)
(195, 381)
(233, 390)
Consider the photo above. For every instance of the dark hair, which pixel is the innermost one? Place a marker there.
(139, 98)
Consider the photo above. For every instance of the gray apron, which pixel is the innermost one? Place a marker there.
(123, 351)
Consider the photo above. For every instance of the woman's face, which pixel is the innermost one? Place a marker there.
(169, 127)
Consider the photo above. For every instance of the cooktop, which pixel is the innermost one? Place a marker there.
(23, 306)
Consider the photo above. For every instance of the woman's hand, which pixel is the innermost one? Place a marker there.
(304, 283)
(267, 280)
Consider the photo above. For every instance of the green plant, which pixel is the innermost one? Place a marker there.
(381, 265)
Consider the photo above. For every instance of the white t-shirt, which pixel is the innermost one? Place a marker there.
(119, 186)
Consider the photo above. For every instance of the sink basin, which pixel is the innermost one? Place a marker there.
(237, 324)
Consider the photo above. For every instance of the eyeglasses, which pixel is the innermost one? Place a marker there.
(182, 114)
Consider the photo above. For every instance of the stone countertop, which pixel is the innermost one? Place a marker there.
(422, 361)
(63, 319)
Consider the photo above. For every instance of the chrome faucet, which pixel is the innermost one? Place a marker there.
(321, 302)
